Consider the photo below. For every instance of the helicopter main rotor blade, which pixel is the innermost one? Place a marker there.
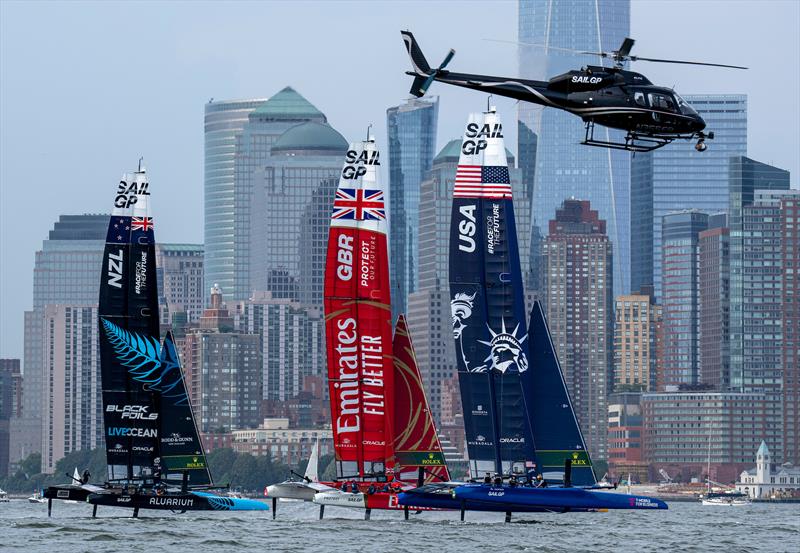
(625, 49)
(639, 58)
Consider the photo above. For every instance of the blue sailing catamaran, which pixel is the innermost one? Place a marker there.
(526, 450)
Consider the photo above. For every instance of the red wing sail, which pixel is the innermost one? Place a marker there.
(416, 442)
(358, 319)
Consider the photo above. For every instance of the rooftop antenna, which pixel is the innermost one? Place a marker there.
(369, 135)
(140, 163)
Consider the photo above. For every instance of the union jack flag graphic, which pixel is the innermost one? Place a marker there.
(487, 181)
(359, 205)
(142, 223)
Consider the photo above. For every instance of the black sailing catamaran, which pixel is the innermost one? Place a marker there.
(153, 449)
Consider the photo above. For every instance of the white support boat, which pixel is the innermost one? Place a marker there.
(36, 497)
(729, 499)
(4, 496)
(296, 489)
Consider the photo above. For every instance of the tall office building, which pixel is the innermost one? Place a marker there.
(745, 177)
(271, 188)
(714, 304)
(66, 272)
(411, 129)
(577, 261)
(223, 371)
(563, 168)
(790, 243)
(180, 283)
(292, 342)
(10, 406)
(635, 328)
(224, 121)
(302, 160)
(72, 415)
(681, 298)
(677, 177)
(429, 317)
(313, 242)
(762, 308)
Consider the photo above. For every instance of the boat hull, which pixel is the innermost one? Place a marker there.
(339, 498)
(425, 500)
(189, 501)
(520, 498)
(733, 503)
(70, 493)
(386, 501)
(291, 490)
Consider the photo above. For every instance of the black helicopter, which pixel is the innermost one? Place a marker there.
(653, 116)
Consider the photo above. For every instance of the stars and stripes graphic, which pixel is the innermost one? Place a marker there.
(359, 205)
(142, 223)
(482, 181)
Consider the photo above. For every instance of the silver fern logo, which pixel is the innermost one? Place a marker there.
(147, 362)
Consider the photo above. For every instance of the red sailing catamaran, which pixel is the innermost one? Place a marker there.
(383, 433)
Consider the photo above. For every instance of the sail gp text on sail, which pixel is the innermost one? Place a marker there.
(358, 358)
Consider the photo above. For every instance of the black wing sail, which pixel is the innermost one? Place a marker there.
(129, 333)
(487, 304)
(181, 446)
(555, 428)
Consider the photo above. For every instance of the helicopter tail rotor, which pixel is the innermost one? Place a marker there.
(424, 75)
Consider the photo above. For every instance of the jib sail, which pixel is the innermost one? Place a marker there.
(555, 429)
(487, 304)
(416, 442)
(358, 319)
(181, 447)
(129, 332)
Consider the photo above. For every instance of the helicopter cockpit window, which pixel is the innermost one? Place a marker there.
(662, 101)
(684, 106)
(638, 97)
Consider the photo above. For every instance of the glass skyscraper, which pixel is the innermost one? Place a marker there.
(224, 121)
(677, 177)
(745, 177)
(412, 144)
(681, 298)
(562, 167)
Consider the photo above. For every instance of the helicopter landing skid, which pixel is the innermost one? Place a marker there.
(633, 142)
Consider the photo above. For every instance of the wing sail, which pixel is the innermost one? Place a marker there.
(416, 441)
(487, 304)
(556, 432)
(358, 319)
(129, 332)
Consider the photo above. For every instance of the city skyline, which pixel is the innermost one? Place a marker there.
(109, 125)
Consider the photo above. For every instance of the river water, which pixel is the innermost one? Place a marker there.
(684, 527)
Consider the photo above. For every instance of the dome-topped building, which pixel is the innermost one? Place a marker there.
(310, 138)
(287, 105)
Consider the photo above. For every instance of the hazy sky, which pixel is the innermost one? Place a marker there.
(88, 87)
